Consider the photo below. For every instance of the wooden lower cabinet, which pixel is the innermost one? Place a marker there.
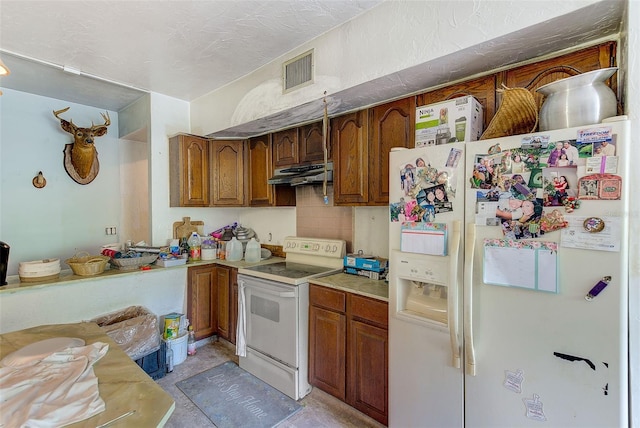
(327, 351)
(211, 305)
(368, 369)
(223, 286)
(202, 300)
(234, 304)
(348, 349)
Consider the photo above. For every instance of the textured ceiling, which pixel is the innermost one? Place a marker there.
(183, 49)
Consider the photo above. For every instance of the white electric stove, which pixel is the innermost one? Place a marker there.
(273, 312)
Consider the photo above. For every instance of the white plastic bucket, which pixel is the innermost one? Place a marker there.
(179, 348)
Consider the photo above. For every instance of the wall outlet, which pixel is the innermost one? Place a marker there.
(110, 230)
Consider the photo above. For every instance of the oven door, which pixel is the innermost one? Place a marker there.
(272, 318)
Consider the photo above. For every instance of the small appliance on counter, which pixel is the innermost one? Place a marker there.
(4, 262)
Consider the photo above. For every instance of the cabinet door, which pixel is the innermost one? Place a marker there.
(234, 305)
(327, 348)
(259, 171)
(390, 125)
(285, 148)
(482, 88)
(228, 173)
(350, 159)
(189, 171)
(533, 76)
(202, 300)
(311, 143)
(223, 286)
(367, 385)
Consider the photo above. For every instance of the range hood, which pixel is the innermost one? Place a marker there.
(303, 174)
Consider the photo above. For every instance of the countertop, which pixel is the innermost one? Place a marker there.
(67, 275)
(122, 384)
(376, 289)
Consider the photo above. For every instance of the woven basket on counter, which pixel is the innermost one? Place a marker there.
(517, 114)
(84, 264)
(133, 263)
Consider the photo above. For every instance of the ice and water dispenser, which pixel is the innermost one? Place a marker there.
(421, 287)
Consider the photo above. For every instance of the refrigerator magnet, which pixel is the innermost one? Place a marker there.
(593, 224)
(597, 288)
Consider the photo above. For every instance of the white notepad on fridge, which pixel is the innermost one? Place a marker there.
(424, 238)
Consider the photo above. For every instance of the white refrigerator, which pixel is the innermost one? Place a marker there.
(516, 315)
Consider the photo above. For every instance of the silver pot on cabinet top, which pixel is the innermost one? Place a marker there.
(579, 100)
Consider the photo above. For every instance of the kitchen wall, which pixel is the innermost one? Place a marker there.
(315, 219)
(64, 217)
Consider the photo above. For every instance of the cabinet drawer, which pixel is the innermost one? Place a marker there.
(327, 298)
(368, 309)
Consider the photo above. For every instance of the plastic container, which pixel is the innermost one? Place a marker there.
(195, 247)
(155, 363)
(234, 250)
(178, 348)
(252, 253)
(209, 250)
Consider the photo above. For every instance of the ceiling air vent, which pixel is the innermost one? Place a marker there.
(298, 72)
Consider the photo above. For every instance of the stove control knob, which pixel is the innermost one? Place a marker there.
(316, 247)
(334, 249)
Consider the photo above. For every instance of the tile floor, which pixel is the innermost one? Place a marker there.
(320, 410)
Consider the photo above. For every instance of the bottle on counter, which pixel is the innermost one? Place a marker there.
(222, 250)
(169, 359)
(191, 342)
(195, 247)
(252, 252)
(234, 250)
(184, 248)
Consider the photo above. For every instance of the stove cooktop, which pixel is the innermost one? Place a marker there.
(305, 258)
(288, 272)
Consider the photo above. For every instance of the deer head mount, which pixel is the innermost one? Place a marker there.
(81, 156)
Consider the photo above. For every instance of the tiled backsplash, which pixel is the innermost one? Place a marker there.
(314, 219)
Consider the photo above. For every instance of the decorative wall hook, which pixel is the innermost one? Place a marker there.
(39, 181)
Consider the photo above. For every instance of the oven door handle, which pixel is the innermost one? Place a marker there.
(283, 294)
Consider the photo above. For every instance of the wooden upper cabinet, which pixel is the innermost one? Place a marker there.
(390, 125)
(189, 171)
(311, 147)
(259, 171)
(533, 76)
(228, 172)
(350, 158)
(483, 89)
(285, 148)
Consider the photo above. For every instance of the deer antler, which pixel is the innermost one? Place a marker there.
(56, 113)
(107, 121)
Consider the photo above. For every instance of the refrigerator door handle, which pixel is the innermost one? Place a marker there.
(470, 245)
(452, 311)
